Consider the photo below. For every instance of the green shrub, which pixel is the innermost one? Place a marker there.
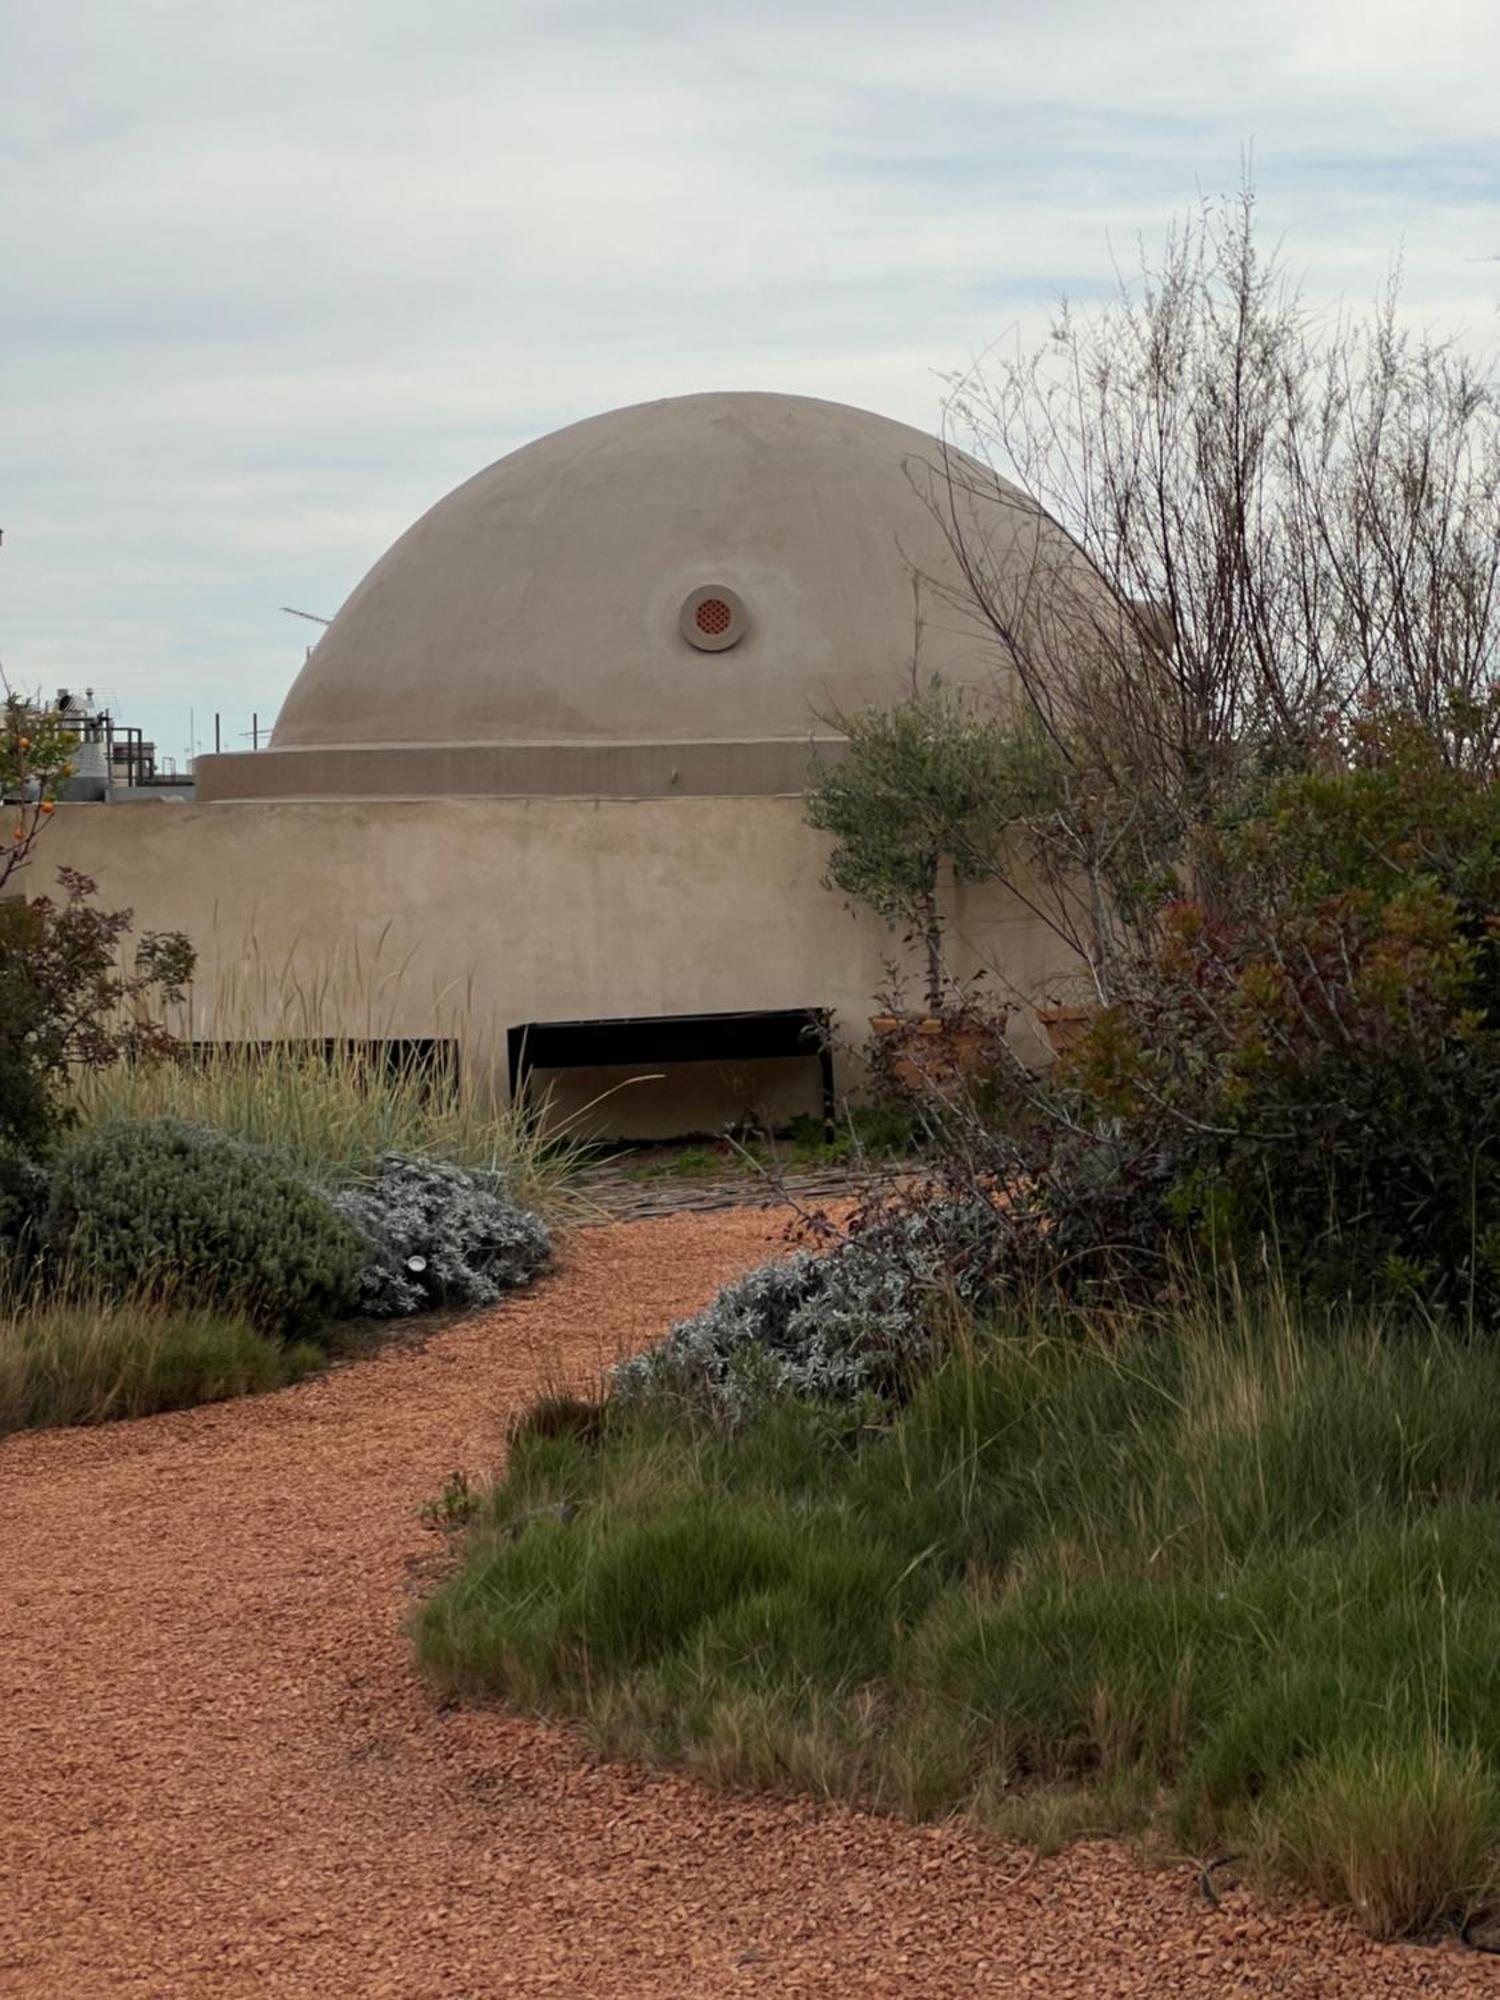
(186, 1212)
(1303, 1057)
(929, 781)
(889, 1129)
(1299, 1064)
(69, 1006)
(24, 1188)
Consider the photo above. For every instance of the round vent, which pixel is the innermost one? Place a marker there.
(713, 618)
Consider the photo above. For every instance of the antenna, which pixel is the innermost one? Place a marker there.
(295, 613)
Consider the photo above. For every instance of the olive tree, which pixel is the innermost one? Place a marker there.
(924, 783)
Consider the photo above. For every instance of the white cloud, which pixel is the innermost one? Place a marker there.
(276, 278)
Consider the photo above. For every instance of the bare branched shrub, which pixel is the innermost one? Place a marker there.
(1270, 522)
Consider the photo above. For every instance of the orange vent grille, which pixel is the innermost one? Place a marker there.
(713, 617)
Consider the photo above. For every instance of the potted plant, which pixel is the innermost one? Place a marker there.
(956, 1044)
(1063, 1025)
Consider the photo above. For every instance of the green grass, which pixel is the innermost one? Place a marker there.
(336, 1116)
(87, 1359)
(1232, 1580)
(688, 1163)
(261, 1024)
(864, 1135)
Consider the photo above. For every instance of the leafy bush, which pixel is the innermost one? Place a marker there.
(24, 1188)
(66, 1006)
(856, 1320)
(1311, 1050)
(1300, 1062)
(926, 782)
(184, 1211)
(36, 753)
(439, 1235)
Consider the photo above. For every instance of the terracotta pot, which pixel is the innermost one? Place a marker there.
(932, 1050)
(1064, 1026)
(971, 1044)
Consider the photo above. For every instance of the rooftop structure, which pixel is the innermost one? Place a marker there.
(671, 598)
(535, 795)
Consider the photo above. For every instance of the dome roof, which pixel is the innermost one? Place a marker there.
(540, 628)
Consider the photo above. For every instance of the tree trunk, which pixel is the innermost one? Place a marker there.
(932, 940)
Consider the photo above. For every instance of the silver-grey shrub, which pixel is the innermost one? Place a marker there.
(854, 1321)
(439, 1235)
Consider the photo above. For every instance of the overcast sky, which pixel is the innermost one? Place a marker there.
(274, 277)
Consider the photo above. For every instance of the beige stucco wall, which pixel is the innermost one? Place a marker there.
(466, 916)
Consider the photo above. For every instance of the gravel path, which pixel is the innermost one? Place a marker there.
(617, 1196)
(218, 1776)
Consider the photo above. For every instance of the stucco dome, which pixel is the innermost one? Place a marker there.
(534, 631)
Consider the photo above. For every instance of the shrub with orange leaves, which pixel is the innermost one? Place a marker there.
(36, 750)
(70, 1001)
(1313, 1049)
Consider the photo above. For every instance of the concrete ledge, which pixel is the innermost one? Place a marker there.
(778, 767)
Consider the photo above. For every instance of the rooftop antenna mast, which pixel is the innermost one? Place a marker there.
(295, 613)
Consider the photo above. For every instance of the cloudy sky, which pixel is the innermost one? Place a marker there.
(274, 277)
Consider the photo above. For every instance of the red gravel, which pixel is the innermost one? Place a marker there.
(219, 1777)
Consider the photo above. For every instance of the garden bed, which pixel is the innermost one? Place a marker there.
(1230, 1584)
(210, 1714)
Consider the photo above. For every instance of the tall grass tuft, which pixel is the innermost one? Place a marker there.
(1231, 1574)
(88, 1359)
(285, 1060)
(1402, 1836)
